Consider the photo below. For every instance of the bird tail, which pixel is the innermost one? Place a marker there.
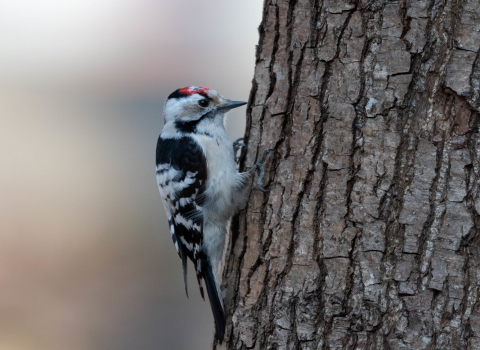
(216, 303)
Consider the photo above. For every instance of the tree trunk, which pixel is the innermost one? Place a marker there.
(369, 236)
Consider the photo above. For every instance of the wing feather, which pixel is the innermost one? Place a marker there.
(181, 178)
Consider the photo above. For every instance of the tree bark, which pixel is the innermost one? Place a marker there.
(370, 235)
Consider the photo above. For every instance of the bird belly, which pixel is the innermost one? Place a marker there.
(219, 206)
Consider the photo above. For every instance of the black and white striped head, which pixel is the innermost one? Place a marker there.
(192, 107)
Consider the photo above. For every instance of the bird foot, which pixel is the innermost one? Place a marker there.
(261, 169)
(237, 144)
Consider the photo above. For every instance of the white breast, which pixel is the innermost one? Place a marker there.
(221, 171)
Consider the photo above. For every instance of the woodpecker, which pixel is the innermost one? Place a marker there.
(200, 186)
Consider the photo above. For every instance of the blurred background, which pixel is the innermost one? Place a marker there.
(86, 260)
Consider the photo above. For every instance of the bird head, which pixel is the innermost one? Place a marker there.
(191, 106)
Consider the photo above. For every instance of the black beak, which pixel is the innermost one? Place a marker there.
(232, 104)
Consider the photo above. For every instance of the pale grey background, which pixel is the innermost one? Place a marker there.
(86, 261)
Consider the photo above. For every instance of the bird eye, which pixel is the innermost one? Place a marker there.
(203, 103)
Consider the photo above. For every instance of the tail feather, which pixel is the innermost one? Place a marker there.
(184, 266)
(215, 298)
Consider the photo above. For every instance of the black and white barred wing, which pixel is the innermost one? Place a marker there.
(181, 176)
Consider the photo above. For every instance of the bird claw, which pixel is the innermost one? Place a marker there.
(261, 169)
(237, 144)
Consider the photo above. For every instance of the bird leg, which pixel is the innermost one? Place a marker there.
(242, 181)
(237, 144)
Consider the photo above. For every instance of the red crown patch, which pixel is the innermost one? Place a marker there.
(190, 90)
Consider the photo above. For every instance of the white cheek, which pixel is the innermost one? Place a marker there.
(172, 109)
(185, 108)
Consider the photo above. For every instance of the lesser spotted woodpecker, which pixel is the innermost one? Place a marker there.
(199, 184)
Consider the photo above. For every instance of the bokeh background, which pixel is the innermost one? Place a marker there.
(86, 260)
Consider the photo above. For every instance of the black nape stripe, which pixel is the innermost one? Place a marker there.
(191, 125)
(187, 126)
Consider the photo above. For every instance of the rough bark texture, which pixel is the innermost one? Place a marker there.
(370, 235)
